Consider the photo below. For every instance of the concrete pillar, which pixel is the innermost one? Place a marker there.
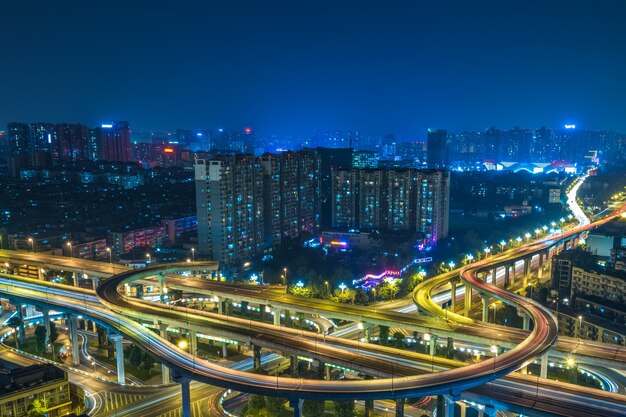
(276, 312)
(544, 366)
(220, 306)
(119, 355)
(526, 325)
(127, 290)
(297, 407)
(46, 324)
(165, 374)
(467, 305)
(185, 394)
(526, 271)
(192, 336)
(485, 300)
(293, 366)
(40, 275)
(512, 275)
(72, 327)
(449, 403)
(224, 350)
(327, 373)
(506, 276)
(163, 330)
(257, 357)
(494, 273)
(75, 279)
(433, 345)
(399, 407)
(95, 281)
(600, 337)
(22, 333)
(453, 285)
(30, 310)
(162, 287)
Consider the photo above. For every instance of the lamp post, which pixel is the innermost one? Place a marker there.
(149, 258)
(580, 327)
(32, 244)
(502, 245)
(527, 236)
(193, 254)
(110, 255)
(342, 287)
(69, 245)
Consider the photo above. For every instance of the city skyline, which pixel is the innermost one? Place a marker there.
(294, 69)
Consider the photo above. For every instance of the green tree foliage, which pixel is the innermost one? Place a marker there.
(399, 339)
(274, 405)
(383, 334)
(312, 408)
(102, 336)
(40, 337)
(14, 323)
(37, 408)
(344, 408)
(54, 333)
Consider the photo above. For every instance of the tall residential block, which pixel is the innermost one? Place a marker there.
(229, 202)
(398, 200)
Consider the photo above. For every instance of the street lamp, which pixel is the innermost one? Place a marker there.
(527, 236)
(451, 265)
(487, 250)
(193, 254)
(110, 255)
(32, 243)
(502, 245)
(299, 284)
(69, 245)
(537, 231)
(580, 326)
(469, 258)
(342, 287)
(149, 257)
(519, 240)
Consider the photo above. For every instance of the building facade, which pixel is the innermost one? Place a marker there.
(397, 200)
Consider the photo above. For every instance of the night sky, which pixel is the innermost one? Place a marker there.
(293, 67)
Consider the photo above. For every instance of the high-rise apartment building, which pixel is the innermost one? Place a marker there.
(72, 143)
(291, 195)
(114, 142)
(399, 200)
(229, 201)
(365, 159)
(438, 149)
(432, 204)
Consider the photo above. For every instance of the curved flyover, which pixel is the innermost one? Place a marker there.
(452, 381)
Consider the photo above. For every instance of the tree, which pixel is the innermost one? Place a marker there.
(383, 334)
(147, 361)
(274, 405)
(102, 336)
(256, 402)
(37, 408)
(14, 323)
(135, 356)
(40, 337)
(312, 408)
(344, 408)
(54, 333)
(399, 339)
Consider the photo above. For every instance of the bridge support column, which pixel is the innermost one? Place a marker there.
(192, 335)
(543, 373)
(494, 273)
(600, 337)
(467, 305)
(72, 327)
(162, 287)
(40, 275)
(46, 324)
(224, 350)
(526, 324)
(327, 373)
(185, 394)
(445, 405)
(512, 275)
(433, 345)
(119, 355)
(399, 407)
(293, 366)
(490, 411)
(297, 407)
(506, 276)
(453, 285)
(75, 279)
(95, 281)
(30, 310)
(257, 357)
(526, 271)
(485, 300)
(276, 312)
(21, 332)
